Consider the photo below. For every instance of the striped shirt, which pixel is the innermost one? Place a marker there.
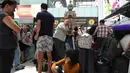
(102, 31)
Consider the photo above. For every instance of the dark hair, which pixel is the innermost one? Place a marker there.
(73, 55)
(44, 6)
(9, 2)
(102, 21)
(76, 28)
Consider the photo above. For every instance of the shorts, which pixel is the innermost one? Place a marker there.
(45, 43)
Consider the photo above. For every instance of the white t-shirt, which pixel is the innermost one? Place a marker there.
(59, 34)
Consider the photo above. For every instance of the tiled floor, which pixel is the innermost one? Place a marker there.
(29, 68)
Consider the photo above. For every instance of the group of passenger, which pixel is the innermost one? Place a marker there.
(48, 39)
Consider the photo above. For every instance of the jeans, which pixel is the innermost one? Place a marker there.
(6, 60)
(100, 41)
(17, 57)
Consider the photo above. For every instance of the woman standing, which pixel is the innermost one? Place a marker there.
(85, 41)
(8, 39)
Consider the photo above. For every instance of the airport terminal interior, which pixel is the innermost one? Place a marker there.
(89, 36)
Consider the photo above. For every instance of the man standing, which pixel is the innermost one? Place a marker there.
(44, 33)
(102, 32)
(59, 39)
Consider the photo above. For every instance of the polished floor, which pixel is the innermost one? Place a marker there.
(29, 68)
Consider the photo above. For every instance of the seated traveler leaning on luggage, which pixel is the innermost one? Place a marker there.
(70, 63)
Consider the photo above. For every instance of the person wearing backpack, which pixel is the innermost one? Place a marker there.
(85, 41)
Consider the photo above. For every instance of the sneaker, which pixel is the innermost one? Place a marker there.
(19, 67)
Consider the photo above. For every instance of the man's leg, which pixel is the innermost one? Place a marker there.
(49, 61)
(100, 42)
(40, 55)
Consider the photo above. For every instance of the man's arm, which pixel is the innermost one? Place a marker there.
(109, 31)
(63, 30)
(53, 27)
(38, 26)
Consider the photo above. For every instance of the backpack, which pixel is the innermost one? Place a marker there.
(85, 41)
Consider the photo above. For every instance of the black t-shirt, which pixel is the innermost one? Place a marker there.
(47, 21)
(7, 39)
